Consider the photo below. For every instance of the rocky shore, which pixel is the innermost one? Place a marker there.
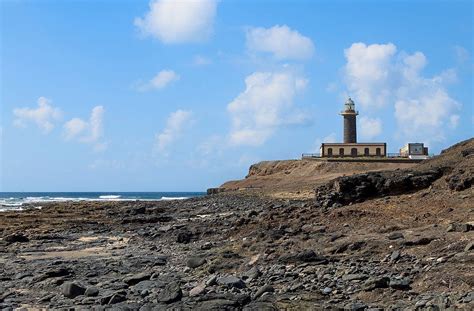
(400, 248)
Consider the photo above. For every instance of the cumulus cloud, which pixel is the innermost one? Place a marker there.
(173, 130)
(378, 76)
(281, 41)
(44, 116)
(368, 72)
(369, 127)
(181, 21)
(266, 103)
(160, 81)
(425, 116)
(90, 131)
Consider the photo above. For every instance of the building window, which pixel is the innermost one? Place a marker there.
(378, 152)
(341, 152)
(329, 152)
(354, 152)
(366, 152)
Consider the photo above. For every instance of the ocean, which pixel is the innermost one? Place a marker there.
(15, 200)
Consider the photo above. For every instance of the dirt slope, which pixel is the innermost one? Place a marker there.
(297, 178)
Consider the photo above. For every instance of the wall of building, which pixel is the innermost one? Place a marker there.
(372, 148)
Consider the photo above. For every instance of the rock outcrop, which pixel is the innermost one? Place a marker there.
(360, 187)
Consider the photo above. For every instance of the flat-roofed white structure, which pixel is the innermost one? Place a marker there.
(414, 149)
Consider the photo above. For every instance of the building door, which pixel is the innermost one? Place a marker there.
(378, 152)
(354, 152)
(329, 152)
(341, 152)
(366, 152)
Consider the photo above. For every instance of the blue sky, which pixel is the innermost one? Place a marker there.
(184, 95)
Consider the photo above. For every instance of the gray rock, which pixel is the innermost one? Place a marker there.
(117, 298)
(395, 236)
(251, 274)
(469, 246)
(72, 289)
(212, 280)
(326, 291)
(171, 293)
(402, 284)
(53, 273)
(91, 291)
(137, 278)
(194, 262)
(262, 290)
(231, 281)
(355, 276)
(457, 227)
(395, 256)
(197, 290)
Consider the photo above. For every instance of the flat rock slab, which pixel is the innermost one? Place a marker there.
(231, 281)
(171, 293)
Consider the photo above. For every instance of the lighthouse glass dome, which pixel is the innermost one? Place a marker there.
(349, 105)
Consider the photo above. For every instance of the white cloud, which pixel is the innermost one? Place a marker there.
(211, 145)
(173, 130)
(90, 131)
(281, 41)
(44, 116)
(160, 81)
(454, 121)
(370, 127)
(264, 105)
(200, 60)
(179, 21)
(368, 72)
(378, 76)
(425, 116)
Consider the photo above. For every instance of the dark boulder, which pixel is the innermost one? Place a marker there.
(16, 238)
(376, 282)
(184, 237)
(72, 289)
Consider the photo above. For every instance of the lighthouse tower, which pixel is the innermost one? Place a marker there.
(350, 129)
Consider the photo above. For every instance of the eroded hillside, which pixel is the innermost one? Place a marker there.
(297, 178)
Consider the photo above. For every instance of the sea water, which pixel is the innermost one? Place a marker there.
(16, 200)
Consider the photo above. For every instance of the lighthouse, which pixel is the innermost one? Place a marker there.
(350, 129)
